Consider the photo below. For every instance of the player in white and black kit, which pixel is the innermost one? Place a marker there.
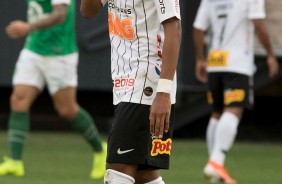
(145, 40)
(228, 70)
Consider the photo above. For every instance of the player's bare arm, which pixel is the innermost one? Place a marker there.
(262, 33)
(201, 64)
(160, 109)
(90, 8)
(18, 28)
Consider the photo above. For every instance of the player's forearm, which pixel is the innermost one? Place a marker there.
(171, 48)
(198, 36)
(90, 8)
(263, 36)
(57, 16)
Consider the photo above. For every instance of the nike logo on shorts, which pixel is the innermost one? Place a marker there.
(123, 152)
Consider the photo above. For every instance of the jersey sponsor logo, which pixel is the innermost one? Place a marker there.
(209, 97)
(158, 63)
(224, 7)
(176, 4)
(161, 147)
(158, 66)
(159, 46)
(124, 83)
(218, 58)
(232, 96)
(122, 28)
(162, 6)
(111, 4)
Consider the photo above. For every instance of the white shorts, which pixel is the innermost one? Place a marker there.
(57, 72)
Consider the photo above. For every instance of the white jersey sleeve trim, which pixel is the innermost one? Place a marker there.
(104, 2)
(256, 9)
(167, 9)
(56, 2)
(202, 18)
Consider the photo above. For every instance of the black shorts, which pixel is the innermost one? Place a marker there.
(227, 89)
(130, 141)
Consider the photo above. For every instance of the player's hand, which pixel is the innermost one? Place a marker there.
(273, 66)
(18, 29)
(201, 71)
(160, 115)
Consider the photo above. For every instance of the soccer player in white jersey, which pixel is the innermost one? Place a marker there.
(49, 56)
(229, 70)
(145, 39)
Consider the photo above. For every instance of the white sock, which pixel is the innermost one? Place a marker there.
(210, 134)
(224, 136)
(159, 180)
(114, 177)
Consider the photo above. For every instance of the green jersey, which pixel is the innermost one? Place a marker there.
(54, 41)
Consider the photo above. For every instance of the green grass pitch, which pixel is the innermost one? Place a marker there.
(64, 158)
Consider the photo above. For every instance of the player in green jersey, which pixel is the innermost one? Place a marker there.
(49, 57)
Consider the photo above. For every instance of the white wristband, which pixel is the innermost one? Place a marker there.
(164, 85)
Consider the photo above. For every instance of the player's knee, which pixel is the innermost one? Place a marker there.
(159, 180)
(115, 177)
(19, 102)
(66, 112)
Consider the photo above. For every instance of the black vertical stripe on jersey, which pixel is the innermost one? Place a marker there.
(113, 69)
(118, 49)
(124, 51)
(138, 62)
(148, 51)
(129, 64)
(118, 44)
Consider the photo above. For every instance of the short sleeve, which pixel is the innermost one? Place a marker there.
(168, 9)
(56, 2)
(256, 9)
(104, 2)
(202, 21)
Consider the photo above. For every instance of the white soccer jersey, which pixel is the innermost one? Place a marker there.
(137, 37)
(232, 33)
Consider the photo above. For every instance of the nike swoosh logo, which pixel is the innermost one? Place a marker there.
(123, 152)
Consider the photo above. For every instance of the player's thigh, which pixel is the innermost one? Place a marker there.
(215, 91)
(130, 141)
(22, 97)
(145, 176)
(65, 102)
(61, 72)
(129, 135)
(27, 70)
(237, 91)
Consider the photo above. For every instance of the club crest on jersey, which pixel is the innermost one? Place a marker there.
(158, 66)
(161, 147)
(148, 91)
